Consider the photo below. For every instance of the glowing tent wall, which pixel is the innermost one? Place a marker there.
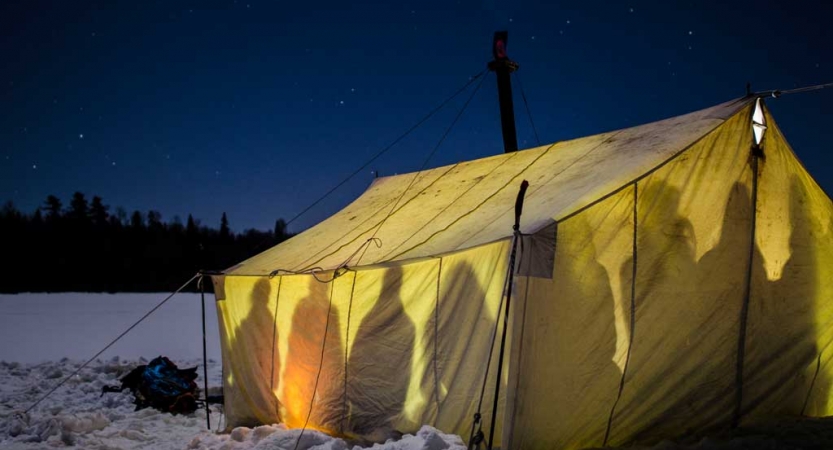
(692, 298)
(690, 290)
(406, 344)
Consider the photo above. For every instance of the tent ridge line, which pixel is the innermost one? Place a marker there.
(512, 155)
(632, 318)
(450, 168)
(652, 170)
(458, 219)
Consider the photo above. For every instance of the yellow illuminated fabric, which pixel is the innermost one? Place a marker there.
(787, 366)
(648, 236)
(568, 372)
(693, 236)
(398, 346)
(470, 203)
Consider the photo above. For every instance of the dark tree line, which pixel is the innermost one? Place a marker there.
(86, 247)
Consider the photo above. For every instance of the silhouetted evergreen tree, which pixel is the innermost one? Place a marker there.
(78, 208)
(225, 232)
(154, 220)
(191, 227)
(121, 215)
(53, 208)
(98, 212)
(137, 222)
(280, 233)
(37, 218)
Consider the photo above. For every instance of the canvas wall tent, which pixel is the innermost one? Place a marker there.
(673, 279)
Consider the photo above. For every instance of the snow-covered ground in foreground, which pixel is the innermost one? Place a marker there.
(78, 416)
(47, 337)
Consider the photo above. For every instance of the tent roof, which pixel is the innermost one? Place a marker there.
(471, 203)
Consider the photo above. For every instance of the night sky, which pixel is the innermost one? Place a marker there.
(257, 108)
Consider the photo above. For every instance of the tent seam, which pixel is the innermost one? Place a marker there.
(744, 312)
(458, 219)
(389, 215)
(274, 341)
(633, 314)
(436, 337)
(451, 203)
(346, 347)
(539, 187)
(320, 366)
(511, 430)
(369, 218)
(812, 384)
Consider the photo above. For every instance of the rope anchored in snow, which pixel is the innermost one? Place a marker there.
(62, 382)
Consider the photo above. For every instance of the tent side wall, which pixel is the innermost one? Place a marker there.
(693, 297)
(606, 360)
(787, 364)
(397, 346)
(638, 335)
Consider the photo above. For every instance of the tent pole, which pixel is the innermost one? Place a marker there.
(519, 204)
(204, 354)
(502, 66)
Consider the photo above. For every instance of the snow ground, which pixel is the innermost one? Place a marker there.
(47, 337)
(77, 415)
(48, 327)
(53, 334)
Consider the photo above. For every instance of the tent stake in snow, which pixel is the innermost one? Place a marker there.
(516, 228)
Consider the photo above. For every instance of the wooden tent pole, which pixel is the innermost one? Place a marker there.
(204, 354)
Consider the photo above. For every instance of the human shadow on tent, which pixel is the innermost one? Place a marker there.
(575, 340)
(313, 381)
(253, 338)
(782, 366)
(665, 350)
(463, 342)
(379, 367)
(704, 338)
